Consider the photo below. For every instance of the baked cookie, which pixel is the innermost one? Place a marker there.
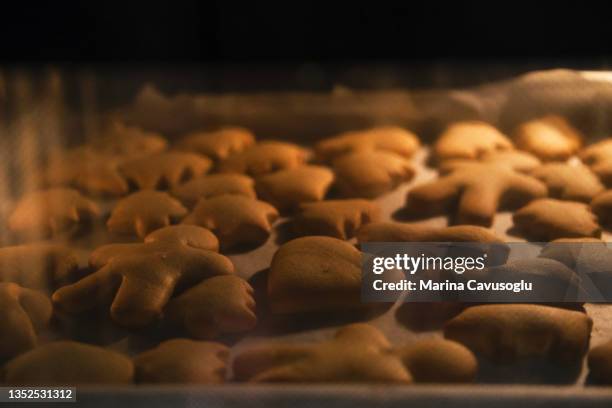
(189, 235)
(357, 353)
(335, 218)
(369, 174)
(218, 144)
(286, 189)
(567, 182)
(87, 170)
(549, 138)
(321, 268)
(144, 211)
(474, 193)
(48, 213)
(166, 170)
(216, 306)
(182, 361)
(515, 159)
(547, 219)
(234, 219)
(23, 314)
(41, 266)
(509, 332)
(388, 138)
(418, 232)
(602, 207)
(138, 280)
(469, 140)
(69, 362)
(263, 158)
(598, 157)
(214, 185)
(118, 139)
(600, 363)
(570, 250)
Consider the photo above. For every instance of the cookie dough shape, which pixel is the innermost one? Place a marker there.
(69, 362)
(214, 185)
(234, 219)
(23, 314)
(388, 138)
(48, 213)
(549, 138)
(369, 174)
(469, 140)
(600, 363)
(118, 139)
(138, 280)
(182, 361)
(189, 235)
(474, 193)
(143, 212)
(286, 189)
(263, 158)
(602, 207)
(418, 232)
(567, 182)
(515, 159)
(510, 332)
(335, 218)
(547, 219)
(358, 353)
(219, 144)
(164, 170)
(598, 157)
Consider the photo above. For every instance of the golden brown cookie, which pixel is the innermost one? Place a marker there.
(166, 170)
(118, 139)
(286, 189)
(567, 182)
(41, 266)
(598, 157)
(509, 332)
(474, 193)
(602, 207)
(189, 235)
(263, 158)
(182, 361)
(369, 174)
(335, 218)
(322, 268)
(218, 144)
(52, 212)
(469, 140)
(23, 314)
(138, 280)
(388, 138)
(214, 185)
(547, 219)
(600, 363)
(418, 232)
(549, 138)
(515, 159)
(234, 219)
(144, 211)
(69, 363)
(216, 306)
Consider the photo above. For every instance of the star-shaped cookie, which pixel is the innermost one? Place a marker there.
(469, 140)
(549, 138)
(567, 182)
(218, 144)
(263, 158)
(119, 139)
(214, 185)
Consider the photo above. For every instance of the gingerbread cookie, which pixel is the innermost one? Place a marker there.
(218, 305)
(118, 139)
(263, 158)
(214, 185)
(567, 182)
(509, 332)
(182, 361)
(219, 144)
(143, 212)
(598, 157)
(335, 218)
(549, 138)
(474, 193)
(369, 174)
(600, 363)
(189, 235)
(388, 138)
(69, 363)
(52, 212)
(23, 314)
(139, 279)
(418, 232)
(547, 219)
(164, 170)
(515, 159)
(234, 219)
(469, 140)
(286, 189)
(602, 207)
